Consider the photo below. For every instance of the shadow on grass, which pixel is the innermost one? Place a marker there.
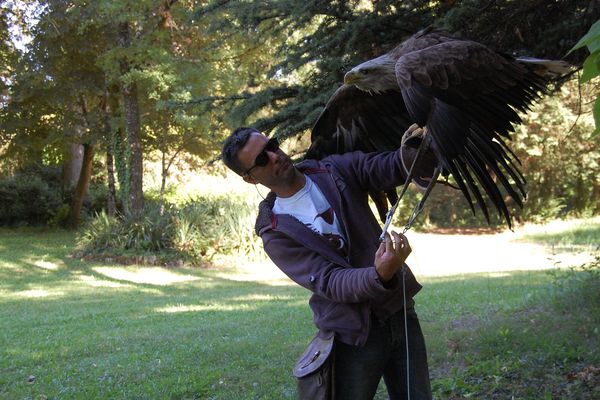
(72, 329)
(90, 330)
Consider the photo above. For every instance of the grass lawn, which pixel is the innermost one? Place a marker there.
(576, 235)
(79, 330)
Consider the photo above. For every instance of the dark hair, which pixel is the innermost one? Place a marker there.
(233, 144)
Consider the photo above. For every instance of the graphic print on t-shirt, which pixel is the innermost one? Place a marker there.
(310, 207)
(327, 215)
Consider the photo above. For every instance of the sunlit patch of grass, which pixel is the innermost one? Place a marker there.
(152, 276)
(137, 332)
(37, 293)
(46, 265)
(95, 282)
(206, 307)
(185, 333)
(572, 235)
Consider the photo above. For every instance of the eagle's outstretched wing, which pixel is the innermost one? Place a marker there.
(356, 120)
(467, 96)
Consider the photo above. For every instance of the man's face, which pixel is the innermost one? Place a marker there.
(279, 169)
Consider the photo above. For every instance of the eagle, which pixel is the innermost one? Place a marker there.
(465, 95)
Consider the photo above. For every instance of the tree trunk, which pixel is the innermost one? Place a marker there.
(71, 167)
(131, 113)
(163, 182)
(111, 204)
(595, 195)
(82, 186)
(110, 105)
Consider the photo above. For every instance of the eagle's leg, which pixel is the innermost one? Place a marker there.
(411, 173)
(419, 207)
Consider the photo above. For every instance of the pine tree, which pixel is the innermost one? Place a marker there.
(326, 39)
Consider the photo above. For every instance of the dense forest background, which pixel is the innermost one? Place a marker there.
(91, 92)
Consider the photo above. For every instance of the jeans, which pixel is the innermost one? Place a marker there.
(358, 370)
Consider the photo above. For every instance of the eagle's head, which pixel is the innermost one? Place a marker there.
(374, 76)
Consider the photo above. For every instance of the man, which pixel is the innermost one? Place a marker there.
(317, 227)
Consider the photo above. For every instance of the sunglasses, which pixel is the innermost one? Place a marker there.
(262, 158)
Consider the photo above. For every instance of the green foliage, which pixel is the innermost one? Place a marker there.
(528, 28)
(591, 65)
(133, 234)
(189, 333)
(559, 160)
(223, 224)
(323, 40)
(150, 231)
(311, 44)
(194, 232)
(60, 216)
(101, 233)
(578, 286)
(117, 143)
(67, 87)
(29, 198)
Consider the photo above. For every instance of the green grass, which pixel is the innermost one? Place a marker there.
(576, 235)
(77, 330)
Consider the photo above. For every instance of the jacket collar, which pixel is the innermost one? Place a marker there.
(329, 184)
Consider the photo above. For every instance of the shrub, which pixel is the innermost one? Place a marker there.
(198, 230)
(225, 224)
(187, 240)
(101, 233)
(29, 198)
(150, 230)
(578, 285)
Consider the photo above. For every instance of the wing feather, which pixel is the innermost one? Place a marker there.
(356, 120)
(486, 181)
(466, 94)
(466, 175)
(483, 153)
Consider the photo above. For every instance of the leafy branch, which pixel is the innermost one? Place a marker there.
(591, 65)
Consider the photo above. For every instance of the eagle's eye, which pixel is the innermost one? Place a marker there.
(365, 71)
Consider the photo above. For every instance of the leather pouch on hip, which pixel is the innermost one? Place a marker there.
(314, 370)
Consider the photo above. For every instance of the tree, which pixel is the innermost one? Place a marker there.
(591, 66)
(131, 113)
(71, 84)
(105, 76)
(326, 39)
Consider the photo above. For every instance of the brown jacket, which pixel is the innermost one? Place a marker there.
(346, 288)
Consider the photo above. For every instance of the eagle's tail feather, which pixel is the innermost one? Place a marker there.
(466, 175)
(547, 68)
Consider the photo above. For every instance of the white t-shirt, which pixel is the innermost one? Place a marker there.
(310, 207)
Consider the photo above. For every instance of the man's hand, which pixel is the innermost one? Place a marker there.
(413, 131)
(391, 254)
(425, 166)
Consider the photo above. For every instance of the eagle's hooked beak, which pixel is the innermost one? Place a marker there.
(351, 77)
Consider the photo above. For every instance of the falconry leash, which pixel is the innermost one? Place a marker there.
(415, 212)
